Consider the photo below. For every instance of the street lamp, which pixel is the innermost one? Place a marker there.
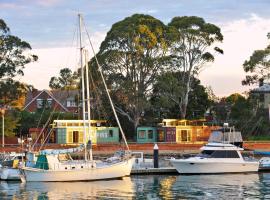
(2, 111)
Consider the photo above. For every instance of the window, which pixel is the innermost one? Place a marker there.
(61, 136)
(142, 134)
(81, 137)
(70, 137)
(225, 154)
(110, 133)
(150, 134)
(161, 136)
(71, 103)
(49, 103)
(185, 135)
(40, 103)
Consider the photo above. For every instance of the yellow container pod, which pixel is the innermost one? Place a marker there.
(72, 131)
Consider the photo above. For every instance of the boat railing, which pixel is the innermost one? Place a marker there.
(60, 166)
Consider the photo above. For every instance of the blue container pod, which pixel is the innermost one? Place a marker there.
(146, 134)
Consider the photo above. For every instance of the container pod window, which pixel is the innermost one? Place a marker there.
(142, 134)
(150, 134)
(110, 133)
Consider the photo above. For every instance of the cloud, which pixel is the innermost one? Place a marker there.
(10, 6)
(51, 60)
(48, 3)
(241, 38)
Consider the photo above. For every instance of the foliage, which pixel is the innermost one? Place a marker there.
(66, 80)
(39, 119)
(166, 99)
(131, 56)
(190, 50)
(11, 119)
(13, 55)
(12, 92)
(257, 66)
(243, 113)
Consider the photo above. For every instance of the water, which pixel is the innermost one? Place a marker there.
(233, 186)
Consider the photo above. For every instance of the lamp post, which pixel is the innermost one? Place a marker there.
(2, 110)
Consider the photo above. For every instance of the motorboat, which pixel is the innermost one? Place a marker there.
(219, 156)
(9, 166)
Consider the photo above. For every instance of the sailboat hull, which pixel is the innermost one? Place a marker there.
(111, 171)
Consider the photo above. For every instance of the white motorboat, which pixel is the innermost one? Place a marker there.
(54, 165)
(217, 157)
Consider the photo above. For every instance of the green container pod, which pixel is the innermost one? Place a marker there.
(107, 135)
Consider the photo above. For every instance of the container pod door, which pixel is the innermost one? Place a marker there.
(170, 134)
(161, 134)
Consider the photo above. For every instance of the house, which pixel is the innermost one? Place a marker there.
(59, 100)
(263, 93)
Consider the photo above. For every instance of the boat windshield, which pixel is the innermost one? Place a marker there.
(205, 154)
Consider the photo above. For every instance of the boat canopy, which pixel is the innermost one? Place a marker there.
(61, 151)
(225, 136)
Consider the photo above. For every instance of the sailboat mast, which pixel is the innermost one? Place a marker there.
(88, 103)
(82, 74)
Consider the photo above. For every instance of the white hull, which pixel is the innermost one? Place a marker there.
(206, 166)
(9, 174)
(112, 171)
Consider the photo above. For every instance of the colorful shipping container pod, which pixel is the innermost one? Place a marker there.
(170, 134)
(107, 135)
(72, 132)
(146, 134)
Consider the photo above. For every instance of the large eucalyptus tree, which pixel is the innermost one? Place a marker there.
(192, 47)
(132, 55)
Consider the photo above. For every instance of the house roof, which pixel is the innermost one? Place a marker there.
(60, 96)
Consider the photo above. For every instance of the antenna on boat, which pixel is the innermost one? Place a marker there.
(82, 75)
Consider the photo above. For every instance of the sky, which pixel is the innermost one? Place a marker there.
(49, 25)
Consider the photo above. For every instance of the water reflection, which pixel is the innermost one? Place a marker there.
(235, 186)
(120, 189)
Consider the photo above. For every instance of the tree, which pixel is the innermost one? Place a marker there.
(190, 50)
(131, 56)
(66, 80)
(13, 92)
(258, 66)
(11, 119)
(166, 98)
(13, 53)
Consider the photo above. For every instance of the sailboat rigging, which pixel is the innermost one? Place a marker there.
(50, 166)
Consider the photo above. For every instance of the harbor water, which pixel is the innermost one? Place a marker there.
(233, 186)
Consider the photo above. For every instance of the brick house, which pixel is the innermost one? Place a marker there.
(58, 100)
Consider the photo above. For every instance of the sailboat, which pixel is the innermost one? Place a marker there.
(57, 165)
